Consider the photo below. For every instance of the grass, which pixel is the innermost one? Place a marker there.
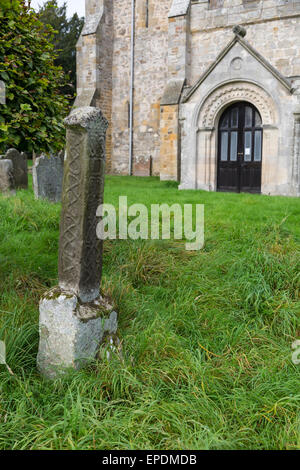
(207, 336)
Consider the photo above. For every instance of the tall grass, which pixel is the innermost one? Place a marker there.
(206, 336)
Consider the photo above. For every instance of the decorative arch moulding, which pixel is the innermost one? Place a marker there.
(230, 93)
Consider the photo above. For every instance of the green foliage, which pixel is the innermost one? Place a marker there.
(67, 32)
(32, 118)
(206, 336)
(6, 5)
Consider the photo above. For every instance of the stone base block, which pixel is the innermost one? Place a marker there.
(71, 332)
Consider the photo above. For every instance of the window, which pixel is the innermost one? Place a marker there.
(233, 146)
(248, 116)
(248, 146)
(224, 147)
(257, 146)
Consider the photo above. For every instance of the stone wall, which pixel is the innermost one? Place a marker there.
(169, 142)
(273, 28)
(151, 51)
(94, 59)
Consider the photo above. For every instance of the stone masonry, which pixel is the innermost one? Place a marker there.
(176, 43)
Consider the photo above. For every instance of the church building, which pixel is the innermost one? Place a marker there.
(203, 92)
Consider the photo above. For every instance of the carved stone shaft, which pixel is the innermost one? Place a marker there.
(80, 252)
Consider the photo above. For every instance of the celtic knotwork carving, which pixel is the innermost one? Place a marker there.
(230, 93)
(80, 258)
(72, 220)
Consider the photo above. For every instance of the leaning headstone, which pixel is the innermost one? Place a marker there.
(47, 175)
(20, 169)
(7, 183)
(74, 318)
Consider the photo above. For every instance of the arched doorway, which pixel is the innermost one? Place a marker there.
(240, 149)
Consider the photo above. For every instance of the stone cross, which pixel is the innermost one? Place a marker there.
(74, 318)
(80, 252)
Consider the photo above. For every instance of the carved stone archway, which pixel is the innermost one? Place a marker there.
(205, 122)
(227, 94)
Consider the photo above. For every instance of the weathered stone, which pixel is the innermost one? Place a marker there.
(142, 166)
(7, 183)
(47, 175)
(20, 169)
(80, 254)
(172, 93)
(73, 317)
(239, 31)
(71, 332)
(179, 8)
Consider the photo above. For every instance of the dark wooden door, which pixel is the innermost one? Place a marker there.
(240, 149)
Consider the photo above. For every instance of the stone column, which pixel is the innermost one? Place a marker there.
(80, 252)
(74, 317)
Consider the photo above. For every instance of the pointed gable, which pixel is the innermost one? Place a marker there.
(239, 60)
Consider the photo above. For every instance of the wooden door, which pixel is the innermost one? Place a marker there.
(240, 149)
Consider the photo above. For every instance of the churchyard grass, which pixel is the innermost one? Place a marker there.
(206, 360)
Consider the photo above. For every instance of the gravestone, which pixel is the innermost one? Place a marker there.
(20, 169)
(47, 175)
(7, 183)
(74, 318)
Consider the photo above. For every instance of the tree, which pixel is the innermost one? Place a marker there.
(67, 32)
(32, 118)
